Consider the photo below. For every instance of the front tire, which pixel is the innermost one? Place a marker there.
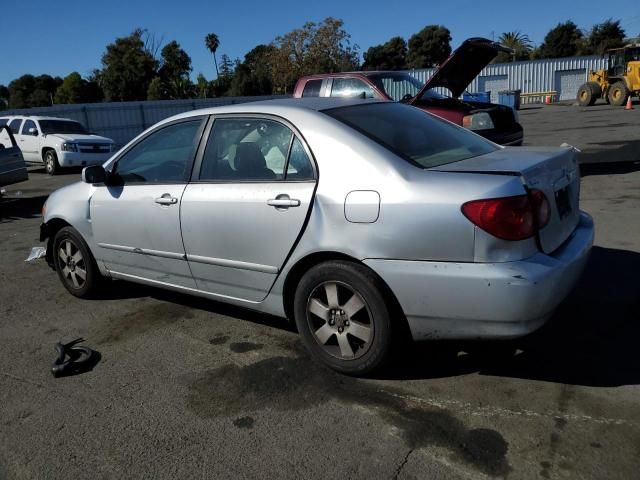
(51, 164)
(342, 317)
(74, 263)
(618, 94)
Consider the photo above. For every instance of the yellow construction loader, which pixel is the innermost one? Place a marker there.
(616, 83)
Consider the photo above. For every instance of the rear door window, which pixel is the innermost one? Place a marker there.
(350, 87)
(312, 88)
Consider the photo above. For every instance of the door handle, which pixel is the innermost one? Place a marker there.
(283, 201)
(166, 199)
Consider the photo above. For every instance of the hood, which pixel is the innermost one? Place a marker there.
(463, 65)
(80, 138)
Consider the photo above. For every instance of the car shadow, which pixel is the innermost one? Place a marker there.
(591, 340)
(120, 290)
(16, 208)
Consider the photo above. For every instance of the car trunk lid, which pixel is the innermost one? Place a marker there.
(463, 65)
(551, 170)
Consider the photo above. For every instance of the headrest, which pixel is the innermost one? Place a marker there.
(249, 160)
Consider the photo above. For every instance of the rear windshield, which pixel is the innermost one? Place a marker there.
(418, 137)
(62, 126)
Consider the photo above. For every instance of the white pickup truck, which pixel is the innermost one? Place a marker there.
(57, 142)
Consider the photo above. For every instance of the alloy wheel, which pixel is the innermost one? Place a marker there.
(340, 320)
(72, 264)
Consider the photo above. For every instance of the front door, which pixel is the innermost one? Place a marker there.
(246, 206)
(136, 218)
(30, 141)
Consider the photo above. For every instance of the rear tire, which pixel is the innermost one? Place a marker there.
(618, 94)
(588, 93)
(342, 317)
(51, 164)
(74, 263)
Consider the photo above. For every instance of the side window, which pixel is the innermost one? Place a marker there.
(26, 126)
(299, 167)
(14, 125)
(312, 88)
(350, 87)
(162, 157)
(245, 149)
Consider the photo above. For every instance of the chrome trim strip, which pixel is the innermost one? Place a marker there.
(221, 262)
(180, 288)
(144, 251)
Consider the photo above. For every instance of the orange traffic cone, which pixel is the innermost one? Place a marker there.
(629, 105)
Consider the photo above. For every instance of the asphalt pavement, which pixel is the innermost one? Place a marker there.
(189, 388)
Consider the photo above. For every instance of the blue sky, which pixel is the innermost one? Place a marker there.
(72, 35)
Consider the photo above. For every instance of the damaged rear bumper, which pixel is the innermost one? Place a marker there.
(486, 300)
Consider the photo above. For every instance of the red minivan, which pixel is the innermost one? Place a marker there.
(498, 123)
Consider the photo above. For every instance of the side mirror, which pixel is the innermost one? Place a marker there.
(33, 131)
(94, 174)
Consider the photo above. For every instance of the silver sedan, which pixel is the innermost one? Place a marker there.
(355, 219)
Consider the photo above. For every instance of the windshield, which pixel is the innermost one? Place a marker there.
(62, 126)
(398, 86)
(419, 137)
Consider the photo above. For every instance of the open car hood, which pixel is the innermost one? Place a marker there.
(463, 65)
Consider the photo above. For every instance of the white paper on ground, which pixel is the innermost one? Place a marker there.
(36, 253)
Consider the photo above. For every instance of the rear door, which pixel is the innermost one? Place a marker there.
(246, 206)
(136, 218)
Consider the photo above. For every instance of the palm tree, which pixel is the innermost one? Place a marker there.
(518, 42)
(212, 42)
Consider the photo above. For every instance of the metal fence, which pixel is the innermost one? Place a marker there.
(562, 75)
(124, 120)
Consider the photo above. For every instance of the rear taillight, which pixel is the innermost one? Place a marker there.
(541, 207)
(510, 218)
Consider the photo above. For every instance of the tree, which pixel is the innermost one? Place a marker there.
(604, 36)
(176, 63)
(212, 42)
(156, 90)
(391, 55)
(226, 66)
(174, 82)
(75, 89)
(128, 68)
(519, 43)
(314, 48)
(429, 47)
(202, 86)
(253, 75)
(4, 97)
(564, 40)
(28, 91)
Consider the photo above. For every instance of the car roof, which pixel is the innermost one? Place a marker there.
(35, 117)
(365, 73)
(281, 106)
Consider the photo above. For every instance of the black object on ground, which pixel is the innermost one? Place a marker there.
(74, 359)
